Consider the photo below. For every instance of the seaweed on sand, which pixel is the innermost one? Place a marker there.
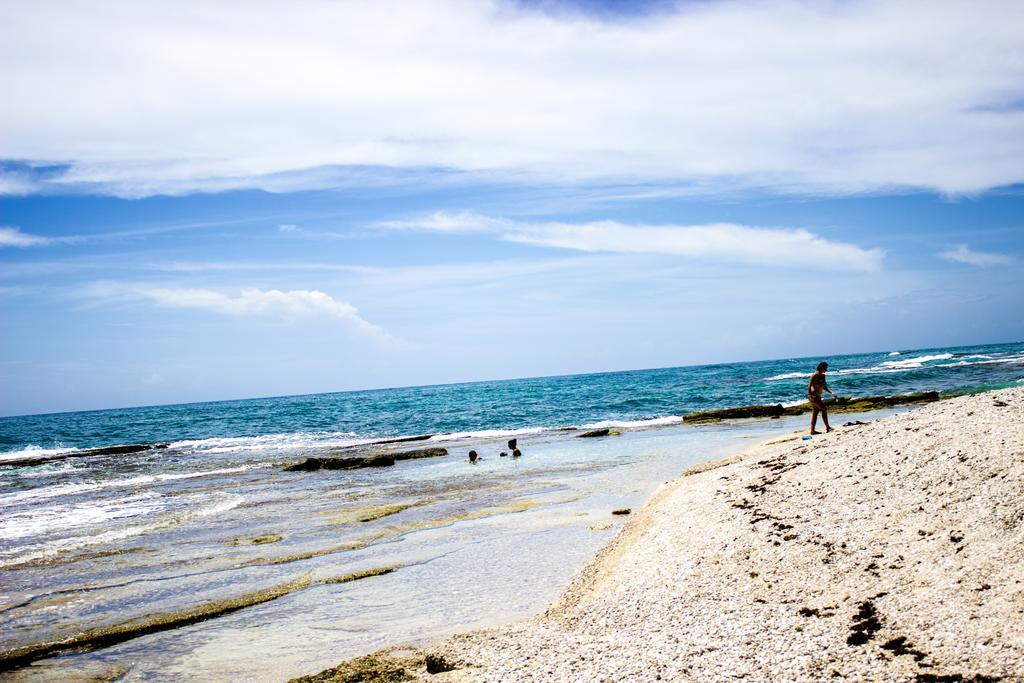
(383, 666)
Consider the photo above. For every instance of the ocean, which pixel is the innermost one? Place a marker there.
(319, 566)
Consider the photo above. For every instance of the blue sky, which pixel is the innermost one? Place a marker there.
(200, 203)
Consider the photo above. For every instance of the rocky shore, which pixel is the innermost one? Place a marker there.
(838, 404)
(886, 551)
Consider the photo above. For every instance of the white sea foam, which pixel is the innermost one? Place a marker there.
(894, 353)
(903, 365)
(47, 492)
(787, 375)
(867, 371)
(1008, 359)
(487, 434)
(269, 442)
(33, 451)
(229, 502)
(915, 362)
(37, 522)
(628, 424)
(223, 502)
(50, 469)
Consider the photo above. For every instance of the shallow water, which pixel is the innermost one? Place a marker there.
(522, 406)
(479, 545)
(103, 541)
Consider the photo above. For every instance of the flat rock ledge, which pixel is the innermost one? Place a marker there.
(86, 453)
(887, 551)
(359, 462)
(839, 404)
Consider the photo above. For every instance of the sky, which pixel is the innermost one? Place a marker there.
(204, 200)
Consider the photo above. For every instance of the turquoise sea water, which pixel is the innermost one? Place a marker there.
(521, 404)
(100, 541)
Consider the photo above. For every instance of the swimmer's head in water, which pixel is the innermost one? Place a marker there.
(822, 367)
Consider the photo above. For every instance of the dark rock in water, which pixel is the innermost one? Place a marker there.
(841, 404)
(736, 413)
(402, 439)
(594, 433)
(121, 450)
(307, 465)
(859, 404)
(314, 464)
(106, 450)
(356, 462)
(369, 461)
(382, 442)
(622, 511)
(421, 453)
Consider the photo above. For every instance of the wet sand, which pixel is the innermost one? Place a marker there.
(892, 550)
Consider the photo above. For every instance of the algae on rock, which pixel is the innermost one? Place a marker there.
(379, 667)
(355, 576)
(841, 404)
(96, 638)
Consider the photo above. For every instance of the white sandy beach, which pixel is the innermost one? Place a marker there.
(887, 551)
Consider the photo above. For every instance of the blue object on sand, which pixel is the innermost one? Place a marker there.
(806, 437)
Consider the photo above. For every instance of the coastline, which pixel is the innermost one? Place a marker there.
(439, 520)
(892, 550)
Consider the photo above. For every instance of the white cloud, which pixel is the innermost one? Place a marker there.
(272, 302)
(295, 231)
(150, 97)
(445, 221)
(16, 184)
(982, 259)
(12, 237)
(714, 242)
(721, 242)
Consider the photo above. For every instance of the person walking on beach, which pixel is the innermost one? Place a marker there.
(814, 389)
